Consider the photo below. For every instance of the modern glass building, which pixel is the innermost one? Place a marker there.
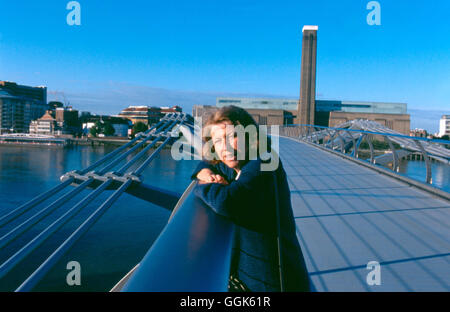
(321, 105)
(360, 107)
(258, 103)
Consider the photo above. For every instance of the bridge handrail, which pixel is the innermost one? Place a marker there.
(192, 253)
(440, 141)
(333, 133)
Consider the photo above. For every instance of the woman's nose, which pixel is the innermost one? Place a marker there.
(220, 146)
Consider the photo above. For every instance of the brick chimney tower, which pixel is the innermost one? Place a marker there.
(306, 105)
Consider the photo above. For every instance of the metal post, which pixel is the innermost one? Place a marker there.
(395, 166)
(358, 143)
(428, 178)
(369, 141)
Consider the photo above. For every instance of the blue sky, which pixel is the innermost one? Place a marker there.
(189, 52)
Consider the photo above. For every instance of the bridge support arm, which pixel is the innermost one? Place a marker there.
(394, 154)
(428, 178)
(161, 197)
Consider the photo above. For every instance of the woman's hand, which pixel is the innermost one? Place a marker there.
(207, 176)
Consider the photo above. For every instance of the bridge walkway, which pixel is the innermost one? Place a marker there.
(348, 215)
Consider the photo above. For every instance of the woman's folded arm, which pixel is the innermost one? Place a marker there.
(241, 200)
(221, 169)
(203, 165)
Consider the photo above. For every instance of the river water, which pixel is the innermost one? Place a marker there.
(115, 244)
(417, 170)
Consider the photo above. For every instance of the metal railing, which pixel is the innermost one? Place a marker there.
(348, 141)
(98, 179)
(192, 253)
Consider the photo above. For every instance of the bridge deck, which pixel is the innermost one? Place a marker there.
(348, 215)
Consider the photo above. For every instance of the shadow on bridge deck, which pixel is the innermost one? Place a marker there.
(348, 215)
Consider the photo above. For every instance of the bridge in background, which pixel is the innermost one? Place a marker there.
(348, 212)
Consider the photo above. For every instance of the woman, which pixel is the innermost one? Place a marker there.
(266, 253)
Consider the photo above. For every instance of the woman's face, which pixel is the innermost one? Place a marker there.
(225, 143)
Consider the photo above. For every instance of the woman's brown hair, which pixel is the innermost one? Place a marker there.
(236, 116)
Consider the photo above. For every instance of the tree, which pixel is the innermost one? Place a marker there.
(108, 129)
(139, 127)
(446, 137)
(95, 130)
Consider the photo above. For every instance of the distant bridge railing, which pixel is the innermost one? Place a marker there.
(112, 172)
(348, 141)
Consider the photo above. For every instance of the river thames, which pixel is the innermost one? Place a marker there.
(122, 236)
(115, 244)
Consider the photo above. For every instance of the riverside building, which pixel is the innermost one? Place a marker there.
(19, 105)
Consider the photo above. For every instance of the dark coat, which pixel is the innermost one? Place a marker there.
(250, 202)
